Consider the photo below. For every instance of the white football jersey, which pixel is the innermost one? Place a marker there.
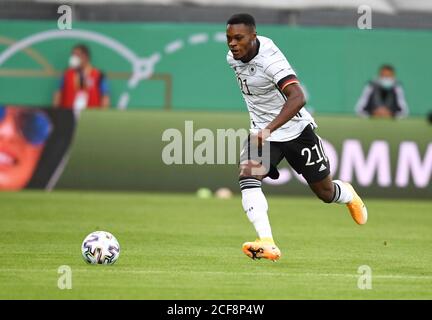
(261, 82)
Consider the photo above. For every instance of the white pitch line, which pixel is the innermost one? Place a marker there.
(278, 274)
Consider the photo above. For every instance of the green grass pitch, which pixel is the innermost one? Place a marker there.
(176, 246)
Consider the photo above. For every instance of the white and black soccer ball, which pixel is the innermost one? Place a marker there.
(100, 247)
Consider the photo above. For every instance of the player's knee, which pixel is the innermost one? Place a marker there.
(248, 171)
(246, 176)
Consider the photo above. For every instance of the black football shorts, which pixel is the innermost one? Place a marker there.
(305, 154)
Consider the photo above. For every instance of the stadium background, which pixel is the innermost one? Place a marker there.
(115, 178)
(191, 74)
(343, 58)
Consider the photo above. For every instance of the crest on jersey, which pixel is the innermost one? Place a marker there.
(252, 69)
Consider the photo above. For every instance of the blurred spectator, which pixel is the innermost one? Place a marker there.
(383, 97)
(82, 85)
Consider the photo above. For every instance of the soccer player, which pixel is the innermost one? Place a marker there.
(275, 103)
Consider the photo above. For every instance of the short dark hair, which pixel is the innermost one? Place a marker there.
(242, 18)
(387, 67)
(83, 48)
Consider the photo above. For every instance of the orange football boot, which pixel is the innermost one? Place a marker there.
(356, 207)
(261, 249)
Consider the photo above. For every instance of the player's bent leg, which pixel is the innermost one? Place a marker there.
(323, 189)
(256, 207)
(341, 192)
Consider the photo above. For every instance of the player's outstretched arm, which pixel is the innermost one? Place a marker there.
(295, 101)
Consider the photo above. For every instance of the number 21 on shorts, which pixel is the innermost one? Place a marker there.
(310, 152)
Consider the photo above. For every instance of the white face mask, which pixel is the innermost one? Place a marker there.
(387, 82)
(74, 61)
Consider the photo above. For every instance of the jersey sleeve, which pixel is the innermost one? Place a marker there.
(280, 71)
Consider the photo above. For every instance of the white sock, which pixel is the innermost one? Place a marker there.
(342, 193)
(255, 205)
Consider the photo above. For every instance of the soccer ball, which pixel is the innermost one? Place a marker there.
(100, 247)
(223, 193)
